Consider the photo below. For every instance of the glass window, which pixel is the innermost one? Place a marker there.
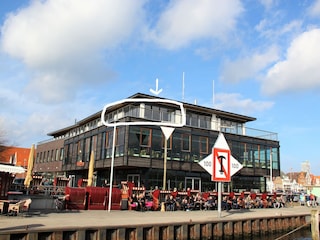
(94, 143)
(169, 143)
(256, 155)
(87, 149)
(186, 142)
(145, 137)
(189, 119)
(147, 112)
(135, 111)
(79, 151)
(61, 154)
(165, 115)
(109, 139)
(275, 161)
(155, 113)
(57, 155)
(204, 121)
(134, 141)
(176, 146)
(204, 145)
(120, 136)
(194, 120)
(103, 141)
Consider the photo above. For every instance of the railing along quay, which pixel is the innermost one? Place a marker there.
(218, 228)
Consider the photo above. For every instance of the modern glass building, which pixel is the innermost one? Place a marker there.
(139, 148)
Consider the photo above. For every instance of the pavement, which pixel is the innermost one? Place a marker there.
(99, 218)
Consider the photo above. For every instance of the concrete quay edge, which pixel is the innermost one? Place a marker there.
(99, 218)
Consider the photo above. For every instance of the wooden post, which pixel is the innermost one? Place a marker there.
(315, 224)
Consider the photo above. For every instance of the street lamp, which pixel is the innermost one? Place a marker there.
(271, 182)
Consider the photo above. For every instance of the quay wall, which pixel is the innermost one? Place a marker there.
(214, 229)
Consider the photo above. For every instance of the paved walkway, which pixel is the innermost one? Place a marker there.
(98, 218)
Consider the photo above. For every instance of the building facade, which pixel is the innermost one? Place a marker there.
(139, 148)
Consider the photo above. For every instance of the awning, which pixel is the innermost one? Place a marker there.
(11, 169)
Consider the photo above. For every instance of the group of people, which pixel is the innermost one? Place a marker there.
(206, 201)
(309, 200)
(190, 200)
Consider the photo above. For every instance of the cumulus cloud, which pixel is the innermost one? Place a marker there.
(248, 66)
(235, 102)
(183, 22)
(300, 68)
(314, 10)
(60, 41)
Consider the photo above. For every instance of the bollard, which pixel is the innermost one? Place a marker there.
(163, 208)
(315, 224)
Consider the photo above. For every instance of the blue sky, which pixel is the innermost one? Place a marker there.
(64, 60)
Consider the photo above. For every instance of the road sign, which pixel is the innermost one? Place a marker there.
(221, 165)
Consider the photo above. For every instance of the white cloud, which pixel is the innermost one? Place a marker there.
(272, 29)
(235, 102)
(267, 3)
(314, 10)
(248, 66)
(60, 41)
(300, 70)
(190, 20)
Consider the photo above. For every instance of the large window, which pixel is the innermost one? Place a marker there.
(157, 143)
(145, 137)
(57, 155)
(140, 141)
(186, 142)
(61, 154)
(175, 153)
(120, 139)
(204, 145)
(87, 149)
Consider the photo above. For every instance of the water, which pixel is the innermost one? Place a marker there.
(301, 234)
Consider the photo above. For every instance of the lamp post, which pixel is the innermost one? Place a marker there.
(271, 182)
(112, 164)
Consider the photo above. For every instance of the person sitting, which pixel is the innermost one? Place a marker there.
(141, 202)
(133, 202)
(225, 203)
(234, 202)
(209, 203)
(187, 203)
(198, 202)
(184, 203)
(170, 203)
(241, 202)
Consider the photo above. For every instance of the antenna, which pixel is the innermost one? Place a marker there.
(182, 86)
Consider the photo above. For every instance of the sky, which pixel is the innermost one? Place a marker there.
(63, 60)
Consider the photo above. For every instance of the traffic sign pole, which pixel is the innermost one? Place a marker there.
(221, 165)
(219, 198)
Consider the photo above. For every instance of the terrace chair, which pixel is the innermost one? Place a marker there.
(16, 208)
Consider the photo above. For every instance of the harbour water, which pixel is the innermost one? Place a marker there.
(301, 234)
